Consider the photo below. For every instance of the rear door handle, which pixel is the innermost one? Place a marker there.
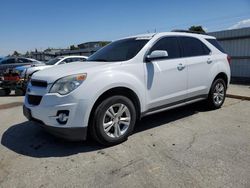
(180, 67)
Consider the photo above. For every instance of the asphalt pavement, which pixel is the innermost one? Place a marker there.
(185, 147)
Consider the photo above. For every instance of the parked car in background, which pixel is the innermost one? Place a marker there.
(22, 69)
(126, 80)
(9, 63)
(29, 71)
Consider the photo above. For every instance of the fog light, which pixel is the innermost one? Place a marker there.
(63, 116)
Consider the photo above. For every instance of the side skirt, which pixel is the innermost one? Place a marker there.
(174, 105)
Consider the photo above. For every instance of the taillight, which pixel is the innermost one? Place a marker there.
(229, 59)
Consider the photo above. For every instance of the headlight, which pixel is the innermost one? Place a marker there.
(67, 84)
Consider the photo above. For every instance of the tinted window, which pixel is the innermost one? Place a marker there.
(69, 60)
(53, 61)
(78, 59)
(8, 61)
(170, 44)
(121, 50)
(216, 44)
(193, 47)
(23, 60)
(81, 59)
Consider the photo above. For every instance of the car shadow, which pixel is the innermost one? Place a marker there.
(29, 139)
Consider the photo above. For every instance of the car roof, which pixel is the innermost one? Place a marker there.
(73, 56)
(151, 35)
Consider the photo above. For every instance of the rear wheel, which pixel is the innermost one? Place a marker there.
(217, 94)
(113, 120)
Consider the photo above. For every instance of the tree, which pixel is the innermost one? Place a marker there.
(27, 54)
(104, 43)
(15, 53)
(72, 47)
(197, 29)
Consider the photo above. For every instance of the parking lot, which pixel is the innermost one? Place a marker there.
(185, 147)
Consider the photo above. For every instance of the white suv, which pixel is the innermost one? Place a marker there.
(126, 80)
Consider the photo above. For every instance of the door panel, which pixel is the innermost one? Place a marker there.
(166, 78)
(198, 71)
(197, 56)
(165, 83)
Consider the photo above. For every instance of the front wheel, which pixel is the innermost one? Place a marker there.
(113, 120)
(217, 94)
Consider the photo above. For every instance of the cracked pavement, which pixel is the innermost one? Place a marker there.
(184, 147)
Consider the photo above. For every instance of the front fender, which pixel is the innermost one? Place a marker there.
(100, 83)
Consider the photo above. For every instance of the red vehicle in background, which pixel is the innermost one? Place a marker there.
(12, 81)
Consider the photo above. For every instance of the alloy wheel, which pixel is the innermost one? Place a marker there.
(219, 93)
(116, 120)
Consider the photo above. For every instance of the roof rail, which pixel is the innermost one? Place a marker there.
(187, 31)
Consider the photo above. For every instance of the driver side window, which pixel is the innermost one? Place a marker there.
(169, 44)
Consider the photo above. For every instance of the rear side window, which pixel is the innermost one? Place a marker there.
(69, 60)
(81, 59)
(170, 44)
(216, 44)
(193, 47)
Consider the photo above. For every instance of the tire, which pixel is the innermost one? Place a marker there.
(114, 120)
(7, 92)
(2, 92)
(217, 94)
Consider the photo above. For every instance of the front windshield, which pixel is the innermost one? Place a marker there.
(53, 61)
(121, 50)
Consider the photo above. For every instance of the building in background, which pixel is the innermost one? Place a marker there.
(85, 49)
(43, 55)
(236, 43)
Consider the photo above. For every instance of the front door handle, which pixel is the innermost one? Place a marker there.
(180, 67)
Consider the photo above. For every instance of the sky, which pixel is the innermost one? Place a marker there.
(38, 24)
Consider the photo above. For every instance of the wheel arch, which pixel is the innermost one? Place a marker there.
(124, 91)
(223, 76)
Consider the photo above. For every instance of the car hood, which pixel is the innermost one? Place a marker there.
(54, 73)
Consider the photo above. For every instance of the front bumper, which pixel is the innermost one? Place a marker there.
(68, 133)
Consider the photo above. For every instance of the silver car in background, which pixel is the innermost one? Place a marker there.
(27, 73)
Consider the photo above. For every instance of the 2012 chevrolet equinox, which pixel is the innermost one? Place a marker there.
(126, 80)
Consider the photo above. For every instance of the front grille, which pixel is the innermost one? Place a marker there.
(39, 83)
(34, 99)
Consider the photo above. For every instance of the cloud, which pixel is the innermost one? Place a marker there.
(241, 24)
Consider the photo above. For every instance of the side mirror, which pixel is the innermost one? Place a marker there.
(157, 54)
